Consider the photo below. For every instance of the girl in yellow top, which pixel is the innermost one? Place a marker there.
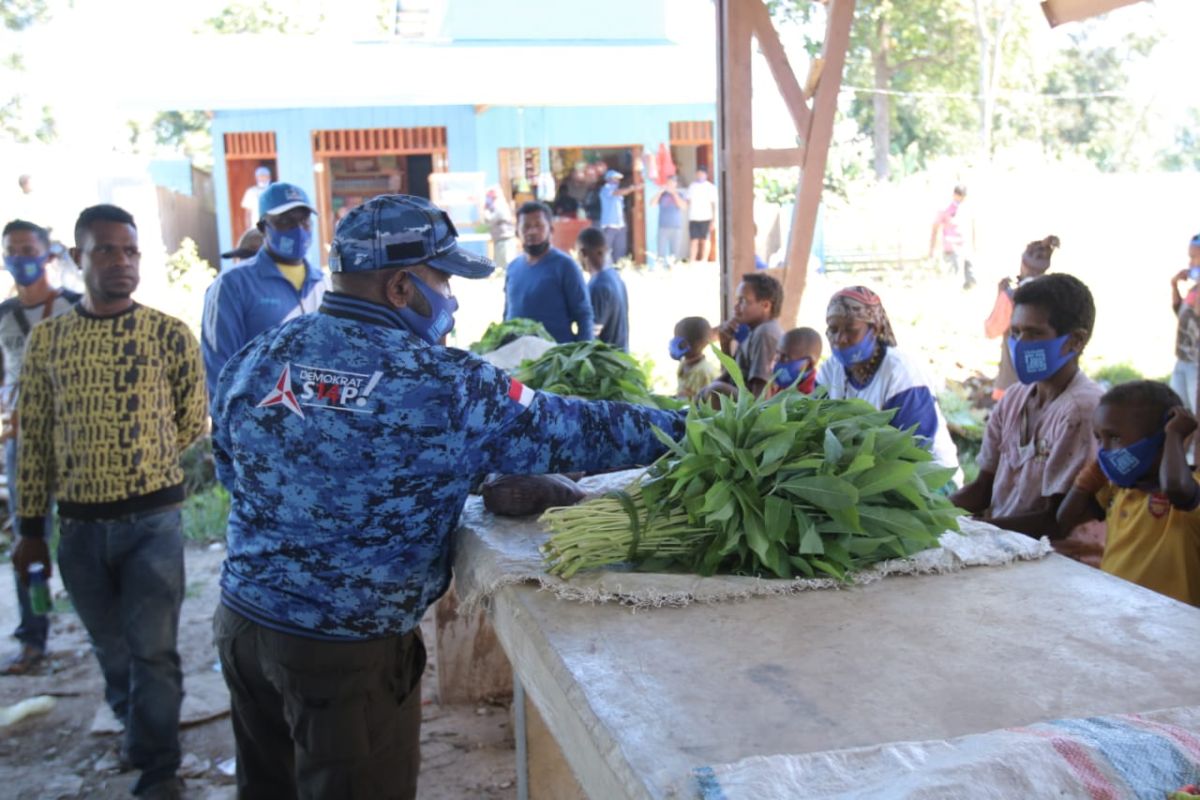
(1141, 485)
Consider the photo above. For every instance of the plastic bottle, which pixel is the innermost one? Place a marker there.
(39, 589)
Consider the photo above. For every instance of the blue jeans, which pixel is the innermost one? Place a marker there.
(125, 577)
(34, 627)
(617, 241)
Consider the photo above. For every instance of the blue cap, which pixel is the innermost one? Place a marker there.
(612, 174)
(399, 230)
(278, 198)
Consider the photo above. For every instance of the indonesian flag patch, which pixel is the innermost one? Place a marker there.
(519, 393)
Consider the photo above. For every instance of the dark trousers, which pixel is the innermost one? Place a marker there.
(33, 628)
(125, 578)
(315, 719)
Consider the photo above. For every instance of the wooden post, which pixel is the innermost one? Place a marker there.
(738, 21)
(816, 153)
(735, 177)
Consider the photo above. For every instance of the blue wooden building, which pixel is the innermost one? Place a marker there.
(525, 99)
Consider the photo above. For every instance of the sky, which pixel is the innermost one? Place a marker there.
(158, 62)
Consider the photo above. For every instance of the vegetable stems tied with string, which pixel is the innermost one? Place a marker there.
(795, 486)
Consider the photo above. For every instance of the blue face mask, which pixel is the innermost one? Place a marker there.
(1125, 466)
(742, 333)
(856, 353)
(26, 270)
(1038, 360)
(1194, 273)
(291, 244)
(441, 318)
(679, 348)
(789, 372)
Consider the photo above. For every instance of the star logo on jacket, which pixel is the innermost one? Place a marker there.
(282, 394)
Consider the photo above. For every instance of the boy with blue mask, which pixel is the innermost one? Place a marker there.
(1141, 485)
(1187, 328)
(690, 348)
(276, 284)
(799, 355)
(26, 255)
(1039, 436)
(752, 335)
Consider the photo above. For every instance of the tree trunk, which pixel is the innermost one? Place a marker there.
(882, 134)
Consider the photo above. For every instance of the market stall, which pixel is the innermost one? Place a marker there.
(640, 701)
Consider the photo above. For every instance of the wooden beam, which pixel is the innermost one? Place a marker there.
(812, 179)
(777, 60)
(1059, 11)
(786, 157)
(735, 181)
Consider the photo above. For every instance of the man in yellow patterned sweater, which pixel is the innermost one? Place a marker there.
(111, 394)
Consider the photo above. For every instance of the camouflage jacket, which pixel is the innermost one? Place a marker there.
(349, 447)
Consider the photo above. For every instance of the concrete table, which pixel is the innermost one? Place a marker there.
(637, 700)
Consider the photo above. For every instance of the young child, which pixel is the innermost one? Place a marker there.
(690, 349)
(1187, 328)
(799, 354)
(1040, 434)
(1141, 484)
(1035, 261)
(752, 336)
(606, 290)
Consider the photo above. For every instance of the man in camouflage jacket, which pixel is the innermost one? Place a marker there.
(349, 440)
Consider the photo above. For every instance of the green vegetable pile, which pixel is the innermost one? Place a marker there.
(592, 370)
(499, 334)
(791, 487)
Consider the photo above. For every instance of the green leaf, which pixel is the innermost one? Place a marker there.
(777, 516)
(776, 448)
(935, 475)
(811, 542)
(671, 444)
(824, 491)
(884, 478)
(718, 496)
(731, 367)
(833, 447)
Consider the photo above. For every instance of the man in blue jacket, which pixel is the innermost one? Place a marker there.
(544, 283)
(348, 440)
(275, 285)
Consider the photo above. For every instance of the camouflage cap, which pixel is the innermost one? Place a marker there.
(399, 230)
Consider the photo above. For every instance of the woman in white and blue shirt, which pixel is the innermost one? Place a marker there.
(867, 365)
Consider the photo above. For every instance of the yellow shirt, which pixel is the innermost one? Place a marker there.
(694, 377)
(1152, 543)
(295, 273)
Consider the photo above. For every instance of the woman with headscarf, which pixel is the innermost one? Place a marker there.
(867, 365)
(1035, 262)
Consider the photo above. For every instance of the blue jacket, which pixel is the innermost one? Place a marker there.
(349, 446)
(552, 291)
(244, 301)
(610, 307)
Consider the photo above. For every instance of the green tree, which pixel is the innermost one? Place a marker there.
(899, 47)
(1093, 114)
(257, 18)
(20, 122)
(1184, 154)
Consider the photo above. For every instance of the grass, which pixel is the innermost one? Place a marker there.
(205, 514)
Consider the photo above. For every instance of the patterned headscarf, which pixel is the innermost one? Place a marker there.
(859, 302)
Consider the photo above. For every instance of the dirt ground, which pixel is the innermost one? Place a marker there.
(466, 751)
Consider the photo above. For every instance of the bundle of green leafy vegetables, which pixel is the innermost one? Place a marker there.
(796, 486)
(592, 370)
(499, 334)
